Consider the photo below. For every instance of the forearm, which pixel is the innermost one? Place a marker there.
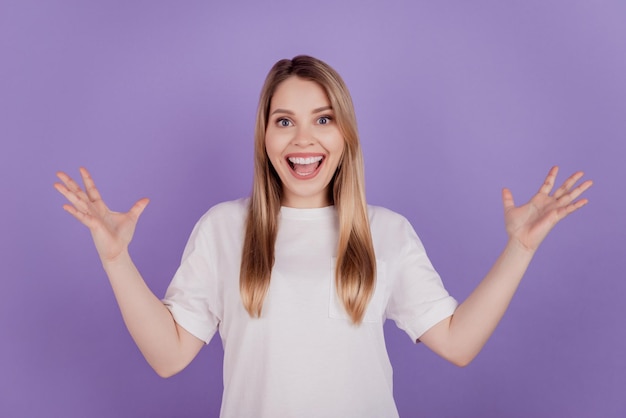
(460, 337)
(149, 322)
(476, 318)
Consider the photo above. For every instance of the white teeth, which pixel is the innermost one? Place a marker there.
(303, 161)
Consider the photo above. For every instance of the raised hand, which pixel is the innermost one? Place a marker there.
(111, 231)
(529, 224)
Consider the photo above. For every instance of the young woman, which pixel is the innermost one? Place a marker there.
(299, 278)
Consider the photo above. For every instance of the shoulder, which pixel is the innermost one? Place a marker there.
(229, 208)
(228, 214)
(386, 218)
(392, 233)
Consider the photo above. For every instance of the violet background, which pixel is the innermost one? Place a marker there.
(455, 100)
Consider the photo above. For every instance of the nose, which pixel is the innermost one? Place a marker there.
(303, 137)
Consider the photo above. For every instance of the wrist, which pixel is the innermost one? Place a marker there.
(515, 247)
(122, 258)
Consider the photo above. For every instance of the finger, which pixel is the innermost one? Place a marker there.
(569, 197)
(507, 199)
(90, 186)
(568, 184)
(548, 183)
(569, 209)
(71, 185)
(71, 197)
(83, 218)
(139, 207)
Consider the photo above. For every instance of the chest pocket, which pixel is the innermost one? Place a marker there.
(375, 310)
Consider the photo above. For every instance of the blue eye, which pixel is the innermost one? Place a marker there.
(283, 122)
(324, 120)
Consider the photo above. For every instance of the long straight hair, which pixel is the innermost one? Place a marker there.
(356, 263)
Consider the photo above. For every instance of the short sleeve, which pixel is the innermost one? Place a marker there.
(193, 294)
(418, 299)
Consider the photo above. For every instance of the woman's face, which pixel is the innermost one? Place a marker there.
(303, 142)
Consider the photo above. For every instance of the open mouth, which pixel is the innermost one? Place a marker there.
(305, 167)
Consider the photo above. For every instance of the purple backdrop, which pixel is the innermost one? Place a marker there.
(455, 100)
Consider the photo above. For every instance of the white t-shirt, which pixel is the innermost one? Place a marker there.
(303, 357)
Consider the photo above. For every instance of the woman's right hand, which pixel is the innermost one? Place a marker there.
(111, 231)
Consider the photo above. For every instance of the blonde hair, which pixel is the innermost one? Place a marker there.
(356, 262)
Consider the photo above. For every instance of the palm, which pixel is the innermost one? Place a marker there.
(111, 231)
(529, 224)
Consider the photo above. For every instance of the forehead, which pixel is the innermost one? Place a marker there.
(297, 93)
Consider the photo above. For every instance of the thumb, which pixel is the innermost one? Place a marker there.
(139, 207)
(507, 199)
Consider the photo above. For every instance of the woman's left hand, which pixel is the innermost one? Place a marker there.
(529, 224)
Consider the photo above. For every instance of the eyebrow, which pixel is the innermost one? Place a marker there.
(289, 112)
